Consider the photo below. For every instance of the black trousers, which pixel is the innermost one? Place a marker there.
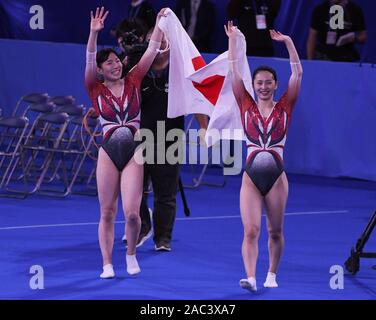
(164, 179)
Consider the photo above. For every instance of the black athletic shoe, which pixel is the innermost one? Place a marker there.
(163, 246)
(143, 237)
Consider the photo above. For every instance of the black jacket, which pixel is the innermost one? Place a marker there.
(205, 23)
(145, 12)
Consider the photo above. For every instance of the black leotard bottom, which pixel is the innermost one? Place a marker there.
(264, 170)
(120, 147)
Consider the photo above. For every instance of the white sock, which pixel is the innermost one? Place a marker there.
(108, 272)
(249, 284)
(132, 264)
(270, 281)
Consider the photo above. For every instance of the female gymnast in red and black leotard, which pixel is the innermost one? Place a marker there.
(265, 124)
(116, 101)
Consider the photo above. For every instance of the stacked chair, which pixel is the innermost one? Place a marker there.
(44, 149)
(198, 171)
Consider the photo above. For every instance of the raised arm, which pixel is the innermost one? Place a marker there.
(236, 79)
(147, 59)
(96, 25)
(296, 67)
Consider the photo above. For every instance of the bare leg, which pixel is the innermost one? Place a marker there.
(108, 190)
(275, 202)
(250, 208)
(131, 193)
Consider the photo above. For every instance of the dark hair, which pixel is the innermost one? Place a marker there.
(264, 68)
(103, 55)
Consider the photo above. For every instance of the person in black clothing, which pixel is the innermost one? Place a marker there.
(198, 19)
(255, 18)
(325, 43)
(142, 10)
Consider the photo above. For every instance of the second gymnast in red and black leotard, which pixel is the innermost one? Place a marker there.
(266, 139)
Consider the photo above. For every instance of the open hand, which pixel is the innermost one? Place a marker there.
(97, 20)
(231, 30)
(277, 36)
(161, 14)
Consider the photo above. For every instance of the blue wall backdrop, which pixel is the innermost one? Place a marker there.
(68, 20)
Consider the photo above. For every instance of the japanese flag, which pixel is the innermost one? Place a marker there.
(197, 87)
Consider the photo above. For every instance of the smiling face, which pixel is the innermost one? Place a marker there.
(111, 69)
(264, 85)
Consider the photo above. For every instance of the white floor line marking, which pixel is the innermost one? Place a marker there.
(178, 219)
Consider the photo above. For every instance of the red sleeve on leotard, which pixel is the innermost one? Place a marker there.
(94, 91)
(246, 102)
(135, 76)
(285, 104)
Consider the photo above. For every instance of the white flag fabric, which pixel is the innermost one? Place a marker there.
(195, 87)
